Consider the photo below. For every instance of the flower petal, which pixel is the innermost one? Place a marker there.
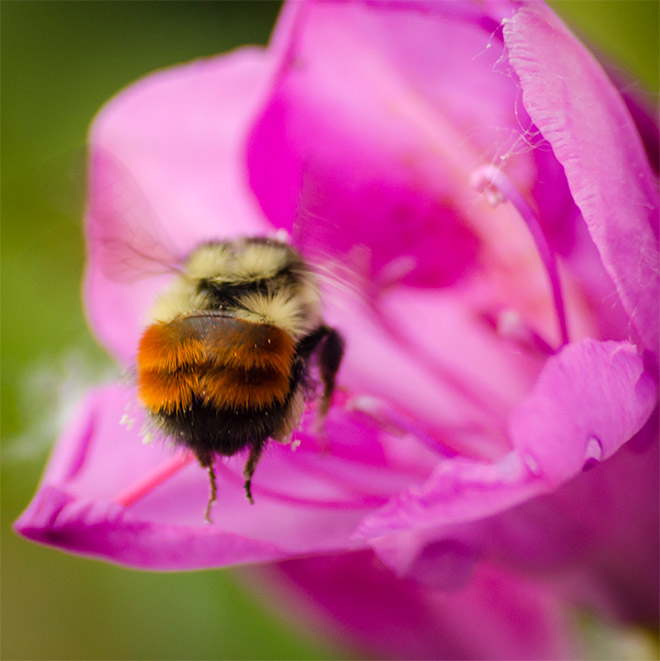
(307, 501)
(459, 490)
(589, 400)
(106, 530)
(423, 364)
(521, 511)
(401, 210)
(580, 113)
(389, 617)
(604, 526)
(589, 391)
(404, 111)
(166, 170)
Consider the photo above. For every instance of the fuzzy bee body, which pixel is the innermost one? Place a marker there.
(225, 364)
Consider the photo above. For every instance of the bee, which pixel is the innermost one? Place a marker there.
(225, 362)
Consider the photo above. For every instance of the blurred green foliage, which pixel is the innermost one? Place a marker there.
(626, 32)
(60, 62)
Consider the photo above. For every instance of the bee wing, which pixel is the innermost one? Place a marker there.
(125, 236)
(340, 263)
(313, 233)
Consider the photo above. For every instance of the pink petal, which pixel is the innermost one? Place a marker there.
(500, 615)
(93, 461)
(453, 376)
(589, 400)
(459, 490)
(308, 501)
(580, 113)
(604, 525)
(597, 536)
(166, 171)
(401, 210)
(406, 116)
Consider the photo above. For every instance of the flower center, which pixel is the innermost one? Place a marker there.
(499, 188)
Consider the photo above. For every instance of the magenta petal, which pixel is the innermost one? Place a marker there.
(585, 120)
(107, 531)
(82, 503)
(500, 615)
(404, 111)
(589, 400)
(165, 171)
(74, 508)
(604, 525)
(441, 381)
(459, 490)
(439, 561)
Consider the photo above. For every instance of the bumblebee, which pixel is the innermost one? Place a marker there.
(225, 363)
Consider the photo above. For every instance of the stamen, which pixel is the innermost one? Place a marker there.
(498, 187)
(593, 453)
(396, 423)
(510, 324)
(154, 479)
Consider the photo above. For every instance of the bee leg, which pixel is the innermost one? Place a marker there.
(331, 353)
(328, 347)
(212, 498)
(248, 471)
(206, 461)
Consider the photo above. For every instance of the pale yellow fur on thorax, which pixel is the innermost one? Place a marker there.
(295, 307)
(179, 299)
(246, 261)
(295, 312)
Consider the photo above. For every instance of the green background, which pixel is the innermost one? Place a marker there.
(60, 62)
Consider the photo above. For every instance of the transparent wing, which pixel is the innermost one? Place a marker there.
(340, 263)
(125, 236)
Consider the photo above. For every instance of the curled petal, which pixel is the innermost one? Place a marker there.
(589, 400)
(459, 490)
(593, 136)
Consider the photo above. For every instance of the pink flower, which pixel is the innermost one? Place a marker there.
(485, 190)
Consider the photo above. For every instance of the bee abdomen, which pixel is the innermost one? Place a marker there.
(163, 391)
(170, 347)
(213, 360)
(233, 388)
